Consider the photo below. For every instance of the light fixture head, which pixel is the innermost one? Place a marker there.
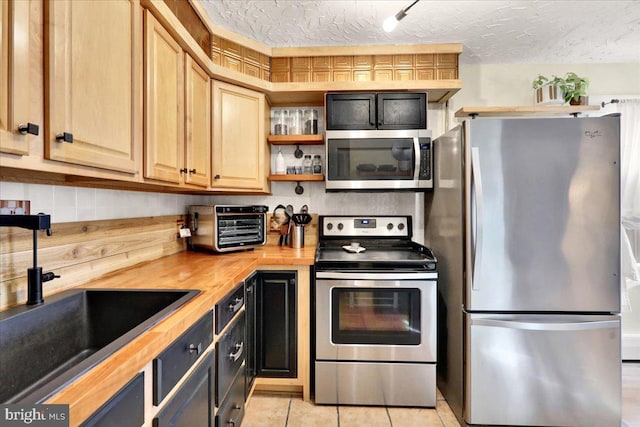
(391, 22)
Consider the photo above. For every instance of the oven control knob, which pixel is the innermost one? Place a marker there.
(401, 226)
(329, 226)
(340, 226)
(390, 226)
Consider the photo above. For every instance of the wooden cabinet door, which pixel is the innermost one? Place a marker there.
(164, 99)
(14, 75)
(238, 138)
(91, 82)
(198, 125)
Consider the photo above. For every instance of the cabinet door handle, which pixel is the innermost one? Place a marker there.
(192, 170)
(183, 170)
(239, 349)
(216, 177)
(196, 348)
(235, 307)
(29, 128)
(65, 137)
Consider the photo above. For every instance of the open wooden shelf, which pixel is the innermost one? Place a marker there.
(526, 111)
(296, 139)
(296, 177)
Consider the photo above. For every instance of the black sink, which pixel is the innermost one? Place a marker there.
(45, 347)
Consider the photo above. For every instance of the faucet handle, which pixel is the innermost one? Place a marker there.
(49, 276)
(48, 231)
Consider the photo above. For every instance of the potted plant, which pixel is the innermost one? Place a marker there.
(574, 89)
(547, 92)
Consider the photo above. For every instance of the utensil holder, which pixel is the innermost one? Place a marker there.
(296, 238)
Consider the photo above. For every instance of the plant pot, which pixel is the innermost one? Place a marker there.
(548, 95)
(583, 100)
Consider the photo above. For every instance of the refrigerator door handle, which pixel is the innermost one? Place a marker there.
(478, 217)
(548, 326)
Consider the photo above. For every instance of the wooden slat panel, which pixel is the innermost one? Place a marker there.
(82, 251)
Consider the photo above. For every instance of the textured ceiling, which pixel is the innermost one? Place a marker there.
(492, 32)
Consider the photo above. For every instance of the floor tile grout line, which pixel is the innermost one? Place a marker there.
(286, 421)
(386, 408)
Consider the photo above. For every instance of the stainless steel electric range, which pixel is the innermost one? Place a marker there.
(375, 304)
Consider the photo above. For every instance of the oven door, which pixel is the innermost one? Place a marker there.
(369, 319)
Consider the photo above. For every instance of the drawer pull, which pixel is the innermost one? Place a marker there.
(235, 307)
(235, 356)
(231, 421)
(196, 348)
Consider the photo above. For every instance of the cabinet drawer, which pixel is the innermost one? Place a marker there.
(230, 355)
(192, 404)
(228, 307)
(172, 363)
(231, 411)
(125, 409)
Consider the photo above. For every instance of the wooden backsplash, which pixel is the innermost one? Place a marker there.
(83, 251)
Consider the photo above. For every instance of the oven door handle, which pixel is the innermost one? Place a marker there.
(340, 275)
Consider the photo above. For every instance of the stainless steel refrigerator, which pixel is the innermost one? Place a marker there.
(525, 221)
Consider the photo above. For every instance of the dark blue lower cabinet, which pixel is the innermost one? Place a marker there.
(231, 411)
(192, 405)
(124, 409)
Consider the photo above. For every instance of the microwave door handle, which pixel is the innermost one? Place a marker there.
(416, 155)
(478, 217)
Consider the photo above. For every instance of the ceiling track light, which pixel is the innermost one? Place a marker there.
(391, 22)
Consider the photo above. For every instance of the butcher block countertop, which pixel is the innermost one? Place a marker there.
(213, 274)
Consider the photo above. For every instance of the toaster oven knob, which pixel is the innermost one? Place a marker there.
(390, 226)
(340, 226)
(330, 226)
(401, 226)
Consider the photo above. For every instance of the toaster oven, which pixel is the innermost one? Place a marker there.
(226, 228)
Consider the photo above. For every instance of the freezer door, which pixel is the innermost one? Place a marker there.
(543, 370)
(543, 215)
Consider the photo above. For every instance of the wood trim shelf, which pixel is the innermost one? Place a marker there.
(296, 139)
(296, 177)
(526, 111)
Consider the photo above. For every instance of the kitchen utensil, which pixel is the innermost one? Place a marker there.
(289, 212)
(304, 209)
(301, 219)
(280, 218)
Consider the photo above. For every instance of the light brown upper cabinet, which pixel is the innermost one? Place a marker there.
(164, 103)
(177, 111)
(14, 78)
(239, 132)
(198, 125)
(92, 81)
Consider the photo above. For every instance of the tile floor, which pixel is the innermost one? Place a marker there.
(631, 394)
(290, 411)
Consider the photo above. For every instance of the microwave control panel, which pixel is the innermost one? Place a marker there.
(425, 159)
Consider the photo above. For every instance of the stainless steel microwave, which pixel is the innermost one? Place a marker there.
(379, 160)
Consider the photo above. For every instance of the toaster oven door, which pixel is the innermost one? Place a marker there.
(239, 231)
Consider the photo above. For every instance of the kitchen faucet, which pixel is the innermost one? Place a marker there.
(35, 276)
